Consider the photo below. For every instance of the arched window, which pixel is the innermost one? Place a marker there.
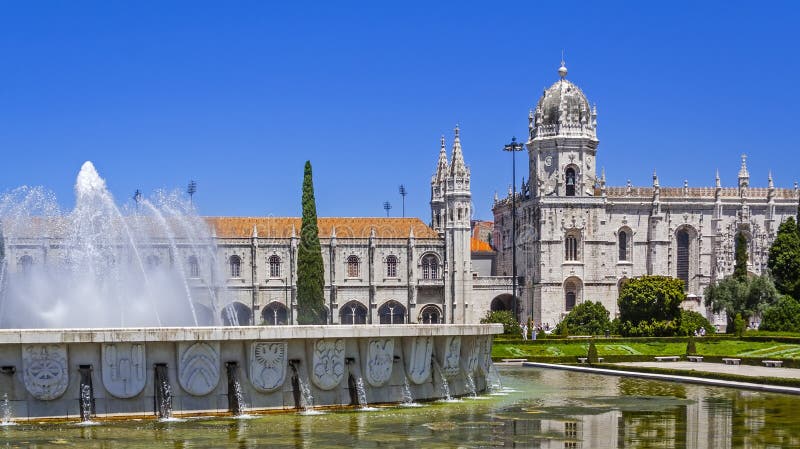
(236, 314)
(430, 314)
(24, 264)
(391, 267)
(274, 266)
(352, 266)
(353, 313)
(235, 263)
(274, 314)
(623, 245)
(430, 267)
(572, 288)
(571, 247)
(569, 175)
(194, 267)
(392, 312)
(682, 237)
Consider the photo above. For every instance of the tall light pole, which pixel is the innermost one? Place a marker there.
(191, 189)
(513, 147)
(387, 206)
(403, 193)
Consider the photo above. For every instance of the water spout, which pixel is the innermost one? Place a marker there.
(86, 399)
(163, 395)
(236, 401)
(445, 387)
(5, 412)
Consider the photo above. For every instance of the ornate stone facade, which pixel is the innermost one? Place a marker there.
(579, 239)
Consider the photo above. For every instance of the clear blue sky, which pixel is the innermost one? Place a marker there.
(237, 95)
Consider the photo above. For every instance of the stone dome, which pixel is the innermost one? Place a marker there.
(563, 110)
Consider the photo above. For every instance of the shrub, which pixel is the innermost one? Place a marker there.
(691, 348)
(738, 325)
(651, 298)
(506, 318)
(692, 321)
(783, 316)
(651, 328)
(592, 355)
(587, 318)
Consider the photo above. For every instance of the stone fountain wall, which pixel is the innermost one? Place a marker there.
(39, 369)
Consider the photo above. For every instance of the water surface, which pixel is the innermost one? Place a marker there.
(546, 409)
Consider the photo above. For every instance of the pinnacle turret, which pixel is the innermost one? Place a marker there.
(458, 167)
(441, 167)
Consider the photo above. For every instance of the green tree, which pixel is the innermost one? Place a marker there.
(746, 297)
(784, 259)
(740, 269)
(587, 318)
(738, 325)
(310, 269)
(650, 298)
(504, 317)
(782, 316)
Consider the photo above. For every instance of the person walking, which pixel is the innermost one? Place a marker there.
(524, 331)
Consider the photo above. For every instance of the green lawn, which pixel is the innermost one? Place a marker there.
(560, 348)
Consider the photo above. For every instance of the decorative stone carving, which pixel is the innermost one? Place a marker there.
(379, 361)
(417, 352)
(450, 356)
(198, 367)
(44, 370)
(268, 364)
(469, 355)
(485, 354)
(327, 363)
(124, 370)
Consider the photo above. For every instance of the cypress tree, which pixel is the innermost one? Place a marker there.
(310, 269)
(740, 269)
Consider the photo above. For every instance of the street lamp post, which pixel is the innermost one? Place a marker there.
(513, 147)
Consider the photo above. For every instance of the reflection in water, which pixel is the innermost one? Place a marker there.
(550, 409)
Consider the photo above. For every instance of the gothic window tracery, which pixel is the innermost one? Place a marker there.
(682, 237)
(353, 266)
(624, 244)
(571, 252)
(194, 267)
(430, 267)
(274, 266)
(391, 266)
(430, 314)
(235, 263)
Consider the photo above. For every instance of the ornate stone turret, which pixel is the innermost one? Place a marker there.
(562, 141)
(438, 188)
(744, 177)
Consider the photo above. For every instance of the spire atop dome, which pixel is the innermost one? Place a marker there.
(743, 173)
(562, 71)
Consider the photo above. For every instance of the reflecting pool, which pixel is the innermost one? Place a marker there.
(536, 409)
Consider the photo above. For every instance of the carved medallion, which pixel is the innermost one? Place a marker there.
(45, 370)
(469, 355)
(124, 370)
(267, 364)
(328, 363)
(198, 367)
(380, 359)
(452, 350)
(417, 353)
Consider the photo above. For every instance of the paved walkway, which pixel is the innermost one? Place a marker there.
(741, 370)
(712, 367)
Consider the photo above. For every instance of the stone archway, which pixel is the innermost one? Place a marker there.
(236, 314)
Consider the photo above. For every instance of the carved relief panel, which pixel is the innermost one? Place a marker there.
(44, 370)
(124, 370)
(379, 361)
(417, 352)
(198, 367)
(267, 364)
(327, 363)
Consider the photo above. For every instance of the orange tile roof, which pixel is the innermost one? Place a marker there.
(281, 227)
(477, 245)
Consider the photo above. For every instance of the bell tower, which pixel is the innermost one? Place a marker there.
(562, 141)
